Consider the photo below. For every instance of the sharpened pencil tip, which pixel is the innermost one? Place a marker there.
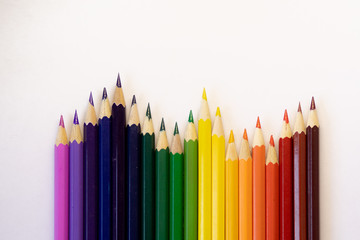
(299, 108)
(91, 100)
(162, 127)
(312, 106)
(286, 117)
(176, 129)
(133, 100)
(204, 95)
(76, 119)
(272, 141)
(231, 138)
(218, 112)
(104, 96)
(61, 123)
(258, 125)
(118, 81)
(191, 118)
(148, 111)
(245, 135)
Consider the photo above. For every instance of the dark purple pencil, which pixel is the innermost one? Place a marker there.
(76, 182)
(118, 128)
(91, 176)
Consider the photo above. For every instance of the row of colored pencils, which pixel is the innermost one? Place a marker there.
(113, 183)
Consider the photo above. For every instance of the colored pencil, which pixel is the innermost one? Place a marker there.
(176, 187)
(312, 143)
(118, 164)
(272, 193)
(245, 190)
(258, 184)
(91, 174)
(204, 181)
(76, 222)
(162, 186)
(218, 178)
(232, 191)
(105, 168)
(133, 153)
(190, 181)
(286, 181)
(299, 149)
(147, 178)
(61, 184)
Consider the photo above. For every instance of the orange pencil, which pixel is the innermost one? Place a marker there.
(272, 193)
(245, 190)
(258, 184)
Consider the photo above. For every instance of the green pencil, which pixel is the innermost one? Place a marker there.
(190, 181)
(176, 187)
(147, 178)
(162, 186)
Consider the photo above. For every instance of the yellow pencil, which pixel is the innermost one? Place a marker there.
(218, 179)
(204, 210)
(232, 191)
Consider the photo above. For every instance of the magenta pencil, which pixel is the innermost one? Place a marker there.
(61, 188)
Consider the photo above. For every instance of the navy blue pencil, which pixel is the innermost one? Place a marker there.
(105, 169)
(133, 173)
(118, 164)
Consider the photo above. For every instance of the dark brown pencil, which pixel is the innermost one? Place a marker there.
(312, 138)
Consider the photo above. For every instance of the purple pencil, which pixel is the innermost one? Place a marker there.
(61, 188)
(76, 182)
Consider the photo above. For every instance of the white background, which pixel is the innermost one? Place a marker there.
(254, 57)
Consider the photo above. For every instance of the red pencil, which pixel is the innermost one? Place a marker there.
(272, 193)
(286, 181)
(299, 147)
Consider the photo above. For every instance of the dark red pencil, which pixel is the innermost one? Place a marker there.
(286, 181)
(312, 143)
(299, 147)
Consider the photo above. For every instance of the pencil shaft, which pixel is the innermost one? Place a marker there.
(313, 213)
(104, 178)
(61, 193)
(190, 189)
(259, 192)
(232, 199)
(162, 194)
(91, 178)
(272, 201)
(76, 191)
(148, 187)
(176, 196)
(118, 176)
(133, 181)
(245, 199)
(299, 146)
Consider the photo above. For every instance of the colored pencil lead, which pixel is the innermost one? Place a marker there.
(176, 129)
(286, 117)
(258, 125)
(76, 119)
(231, 138)
(91, 100)
(218, 112)
(312, 106)
(299, 108)
(61, 123)
(204, 95)
(133, 100)
(118, 82)
(191, 118)
(104, 96)
(245, 135)
(162, 127)
(272, 141)
(148, 111)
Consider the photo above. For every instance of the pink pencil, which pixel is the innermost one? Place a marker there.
(61, 214)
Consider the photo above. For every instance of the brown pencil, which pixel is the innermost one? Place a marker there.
(312, 143)
(299, 149)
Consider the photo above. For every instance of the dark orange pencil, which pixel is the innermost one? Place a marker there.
(286, 181)
(299, 148)
(272, 193)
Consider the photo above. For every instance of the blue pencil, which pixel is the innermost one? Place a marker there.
(105, 169)
(133, 173)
